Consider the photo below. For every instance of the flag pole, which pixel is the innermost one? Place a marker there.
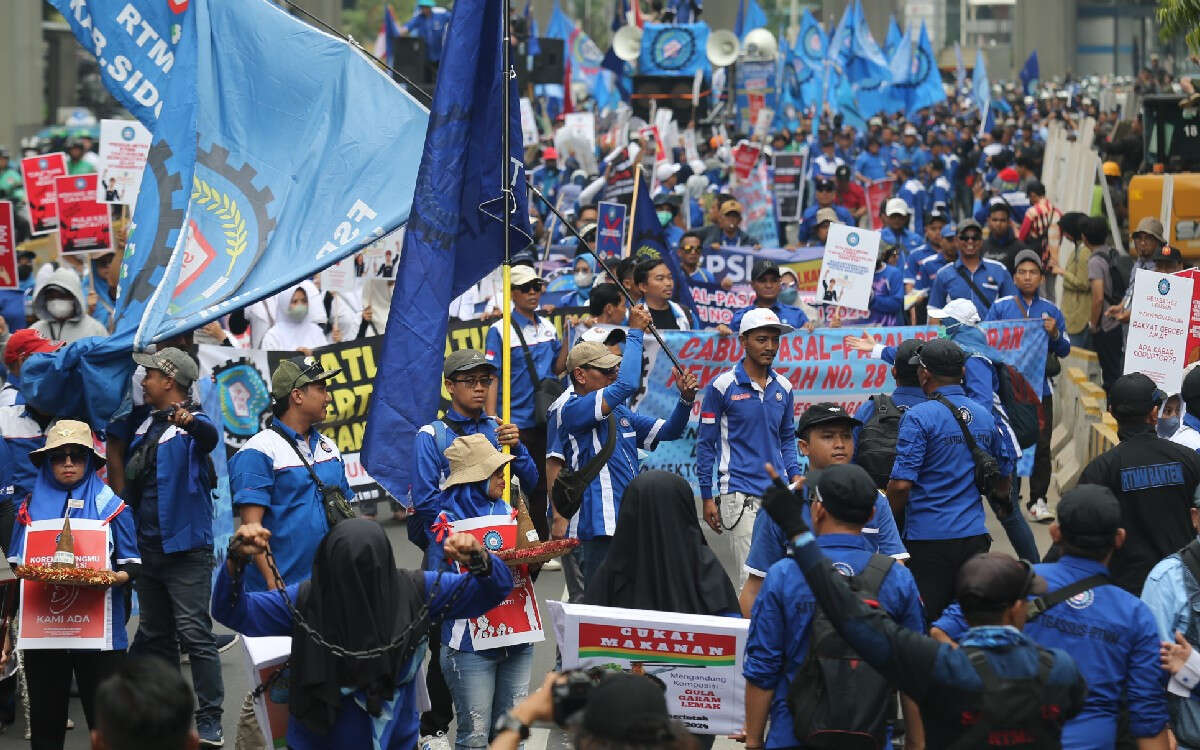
(506, 272)
(637, 185)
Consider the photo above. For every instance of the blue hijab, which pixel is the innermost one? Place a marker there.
(49, 497)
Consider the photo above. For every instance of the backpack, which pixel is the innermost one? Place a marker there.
(1011, 711)
(837, 700)
(444, 433)
(876, 450)
(1121, 270)
(1022, 403)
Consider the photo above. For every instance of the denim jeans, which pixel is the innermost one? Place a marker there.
(485, 685)
(1016, 527)
(593, 551)
(173, 591)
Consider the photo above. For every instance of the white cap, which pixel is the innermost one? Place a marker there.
(992, 149)
(763, 317)
(963, 310)
(664, 171)
(897, 206)
(522, 274)
(910, 130)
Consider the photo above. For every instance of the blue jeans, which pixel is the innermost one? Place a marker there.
(1016, 528)
(593, 552)
(173, 592)
(485, 685)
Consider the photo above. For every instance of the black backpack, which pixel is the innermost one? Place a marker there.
(1011, 711)
(1121, 270)
(1022, 403)
(876, 451)
(837, 700)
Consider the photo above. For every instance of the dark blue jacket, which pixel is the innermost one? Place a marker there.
(185, 506)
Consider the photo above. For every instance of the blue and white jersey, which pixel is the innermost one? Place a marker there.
(824, 166)
(928, 268)
(915, 257)
(544, 345)
(915, 195)
(19, 434)
(940, 192)
(266, 471)
(562, 446)
(992, 278)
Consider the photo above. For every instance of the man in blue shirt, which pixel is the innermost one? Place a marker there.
(935, 222)
(746, 420)
(843, 501)
(933, 480)
(548, 176)
(826, 163)
(826, 193)
(910, 153)
(898, 214)
(972, 276)
(429, 23)
(947, 253)
(906, 395)
(691, 250)
(766, 281)
(602, 383)
(872, 165)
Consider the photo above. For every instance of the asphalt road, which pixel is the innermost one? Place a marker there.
(550, 585)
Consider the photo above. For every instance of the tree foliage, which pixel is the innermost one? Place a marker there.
(1180, 18)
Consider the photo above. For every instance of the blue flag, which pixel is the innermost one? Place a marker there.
(809, 60)
(455, 237)
(587, 63)
(650, 241)
(1029, 72)
(867, 68)
(674, 49)
(750, 16)
(960, 71)
(901, 65)
(894, 35)
(981, 89)
(532, 47)
(925, 80)
(839, 52)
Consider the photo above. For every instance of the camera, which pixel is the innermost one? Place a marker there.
(571, 694)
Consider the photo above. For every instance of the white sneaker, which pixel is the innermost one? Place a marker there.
(554, 564)
(1040, 511)
(437, 741)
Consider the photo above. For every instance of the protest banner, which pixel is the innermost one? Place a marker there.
(610, 229)
(515, 620)
(755, 89)
(8, 248)
(1193, 335)
(697, 658)
(84, 224)
(266, 656)
(341, 276)
(619, 185)
(38, 173)
(582, 125)
(124, 146)
(745, 156)
(716, 305)
(1158, 327)
(848, 268)
(788, 174)
(529, 129)
(690, 151)
(758, 216)
(651, 137)
(762, 123)
(74, 617)
(877, 194)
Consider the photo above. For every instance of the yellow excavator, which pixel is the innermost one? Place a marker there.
(1170, 164)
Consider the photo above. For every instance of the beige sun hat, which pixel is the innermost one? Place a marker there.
(67, 432)
(473, 458)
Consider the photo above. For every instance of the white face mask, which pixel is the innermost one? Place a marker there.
(297, 313)
(583, 279)
(60, 309)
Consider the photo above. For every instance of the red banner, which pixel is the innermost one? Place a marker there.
(39, 173)
(745, 156)
(8, 248)
(1193, 334)
(85, 225)
(66, 616)
(877, 194)
(515, 620)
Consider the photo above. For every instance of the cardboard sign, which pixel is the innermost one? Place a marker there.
(788, 183)
(124, 145)
(74, 617)
(264, 657)
(38, 173)
(652, 135)
(745, 156)
(529, 130)
(758, 206)
(1158, 327)
(610, 229)
(8, 248)
(516, 620)
(698, 658)
(848, 268)
(582, 125)
(84, 224)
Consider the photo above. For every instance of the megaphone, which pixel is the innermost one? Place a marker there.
(722, 48)
(761, 45)
(627, 43)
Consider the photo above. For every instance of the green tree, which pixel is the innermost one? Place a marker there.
(363, 20)
(1180, 18)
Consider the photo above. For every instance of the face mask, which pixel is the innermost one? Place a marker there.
(297, 313)
(60, 309)
(24, 272)
(664, 217)
(788, 294)
(583, 279)
(1167, 426)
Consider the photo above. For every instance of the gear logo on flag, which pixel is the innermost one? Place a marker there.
(673, 48)
(492, 540)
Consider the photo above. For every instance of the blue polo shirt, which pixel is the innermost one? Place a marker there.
(266, 471)
(808, 223)
(789, 314)
(941, 191)
(906, 240)
(742, 427)
(915, 257)
(904, 397)
(874, 166)
(928, 268)
(431, 29)
(544, 346)
(778, 640)
(915, 195)
(1014, 308)
(944, 502)
(915, 157)
(992, 278)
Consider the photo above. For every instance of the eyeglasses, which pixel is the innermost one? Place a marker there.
(531, 286)
(482, 381)
(689, 248)
(971, 237)
(609, 371)
(76, 456)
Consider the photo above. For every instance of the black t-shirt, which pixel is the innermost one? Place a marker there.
(664, 320)
(1003, 250)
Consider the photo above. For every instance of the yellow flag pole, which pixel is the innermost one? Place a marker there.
(506, 366)
(507, 74)
(637, 185)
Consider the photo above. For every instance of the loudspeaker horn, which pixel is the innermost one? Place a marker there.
(761, 45)
(627, 43)
(722, 47)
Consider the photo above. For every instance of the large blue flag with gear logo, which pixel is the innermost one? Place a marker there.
(455, 236)
(924, 82)
(674, 49)
(270, 161)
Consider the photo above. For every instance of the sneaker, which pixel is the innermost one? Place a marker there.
(552, 565)
(226, 641)
(70, 724)
(1040, 511)
(437, 741)
(210, 733)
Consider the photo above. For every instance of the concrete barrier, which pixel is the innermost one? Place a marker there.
(1083, 429)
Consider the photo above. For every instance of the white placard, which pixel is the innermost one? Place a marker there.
(582, 126)
(689, 145)
(529, 131)
(1158, 326)
(124, 145)
(762, 125)
(848, 267)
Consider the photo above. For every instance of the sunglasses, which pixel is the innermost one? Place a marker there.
(689, 248)
(609, 371)
(530, 286)
(482, 381)
(76, 455)
(971, 237)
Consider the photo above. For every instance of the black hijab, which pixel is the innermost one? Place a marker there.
(658, 558)
(358, 600)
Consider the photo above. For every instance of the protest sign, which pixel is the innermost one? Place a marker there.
(745, 156)
(124, 145)
(582, 125)
(1158, 327)
(515, 620)
(697, 658)
(877, 194)
(8, 248)
(762, 123)
(266, 656)
(848, 268)
(1193, 336)
(788, 180)
(690, 152)
(619, 185)
(610, 229)
(755, 90)
(38, 173)
(529, 130)
(652, 138)
(341, 276)
(84, 224)
(758, 217)
(716, 305)
(74, 617)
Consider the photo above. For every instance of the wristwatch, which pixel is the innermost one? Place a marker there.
(510, 723)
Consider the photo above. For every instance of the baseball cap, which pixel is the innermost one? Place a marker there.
(1008, 174)
(465, 359)
(298, 372)
(822, 413)
(941, 216)
(966, 224)
(665, 171)
(1134, 395)
(941, 357)
(1152, 227)
(962, 309)
(910, 130)
(731, 207)
(1168, 253)
(904, 354)
(997, 202)
(1027, 256)
(762, 317)
(825, 183)
(628, 708)
(826, 214)
(846, 490)
(949, 231)
(1089, 515)
(994, 580)
(897, 206)
(549, 153)
(25, 342)
(762, 267)
(842, 172)
(522, 275)
(172, 362)
(591, 354)
(607, 335)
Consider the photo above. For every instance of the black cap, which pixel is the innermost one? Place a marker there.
(966, 224)
(941, 357)
(628, 708)
(26, 255)
(824, 183)
(826, 411)
(762, 267)
(1190, 390)
(846, 490)
(1134, 395)
(842, 172)
(1088, 516)
(1168, 253)
(994, 580)
(938, 215)
(904, 355)
(998, 202)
